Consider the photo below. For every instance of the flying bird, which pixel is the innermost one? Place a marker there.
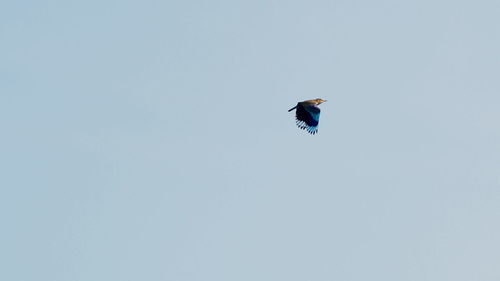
(307, 115)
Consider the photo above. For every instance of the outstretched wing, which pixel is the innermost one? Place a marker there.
(308, 118)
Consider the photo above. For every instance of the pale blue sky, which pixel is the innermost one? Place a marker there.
(150, 140)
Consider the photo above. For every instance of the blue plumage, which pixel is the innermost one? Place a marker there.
(307, 115)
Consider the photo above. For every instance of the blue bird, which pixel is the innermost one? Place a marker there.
(307, 115)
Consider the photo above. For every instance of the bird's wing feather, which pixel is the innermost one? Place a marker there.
(308, 117)
(314, 111)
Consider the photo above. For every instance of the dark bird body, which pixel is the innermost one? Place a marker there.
(307, 115)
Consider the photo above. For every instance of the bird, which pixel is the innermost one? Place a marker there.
(307, 115)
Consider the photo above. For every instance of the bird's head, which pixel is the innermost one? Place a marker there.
(319, 101)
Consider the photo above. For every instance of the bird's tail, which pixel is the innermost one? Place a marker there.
(292, 108)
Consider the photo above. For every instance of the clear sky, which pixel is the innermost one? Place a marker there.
(150, 140)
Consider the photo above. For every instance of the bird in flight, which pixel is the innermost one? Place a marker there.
(307, 115)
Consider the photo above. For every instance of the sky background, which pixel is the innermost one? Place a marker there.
(150, 140)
